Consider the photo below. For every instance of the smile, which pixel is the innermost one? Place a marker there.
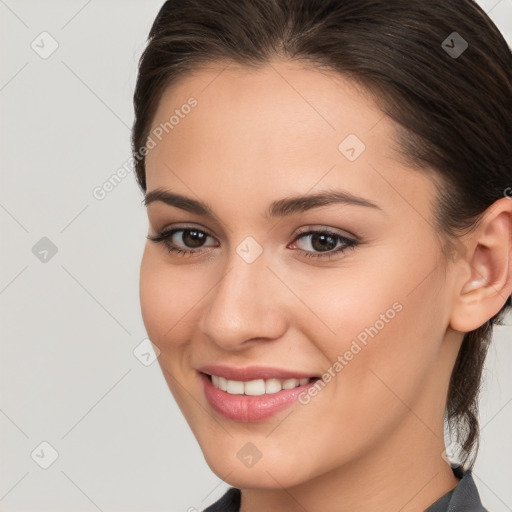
(256, 387)
(252, 400)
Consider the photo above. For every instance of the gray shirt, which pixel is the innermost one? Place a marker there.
(463, 498)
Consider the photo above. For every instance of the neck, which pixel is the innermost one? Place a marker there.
(407, 474)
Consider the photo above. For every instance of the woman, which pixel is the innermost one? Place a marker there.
(328, 191)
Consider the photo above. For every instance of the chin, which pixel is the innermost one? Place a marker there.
(269, 474)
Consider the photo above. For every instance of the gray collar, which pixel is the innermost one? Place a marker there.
(464, 497)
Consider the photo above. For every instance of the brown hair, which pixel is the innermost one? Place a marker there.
(453, 111)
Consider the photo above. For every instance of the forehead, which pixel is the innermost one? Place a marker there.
(283, 128)
(284, 105)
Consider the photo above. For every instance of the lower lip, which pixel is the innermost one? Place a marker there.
(248, 408)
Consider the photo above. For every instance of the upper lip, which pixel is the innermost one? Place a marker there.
(252, 372)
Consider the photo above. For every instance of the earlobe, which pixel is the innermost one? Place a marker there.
(489, 265)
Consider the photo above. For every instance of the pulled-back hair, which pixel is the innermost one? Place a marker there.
(452, 105)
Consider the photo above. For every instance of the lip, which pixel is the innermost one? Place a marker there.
(250, 408)
(253, 372)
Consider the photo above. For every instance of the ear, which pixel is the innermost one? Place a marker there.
(486, 277)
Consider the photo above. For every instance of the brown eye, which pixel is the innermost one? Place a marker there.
(192, 240)
(324, 244)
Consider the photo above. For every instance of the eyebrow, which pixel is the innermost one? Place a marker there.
(279, 208)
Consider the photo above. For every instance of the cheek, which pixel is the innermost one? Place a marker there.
(161, 297)
(385, 360)
(381, 340)
(171, 297)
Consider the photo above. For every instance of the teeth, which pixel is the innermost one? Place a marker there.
(290, 383)
(235, 387)
(256, 387)
(272, 386)
(223, 383)
(253, 387)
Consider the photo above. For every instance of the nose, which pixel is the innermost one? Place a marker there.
(244, 305)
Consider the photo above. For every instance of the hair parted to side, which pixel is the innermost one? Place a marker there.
(453, 115)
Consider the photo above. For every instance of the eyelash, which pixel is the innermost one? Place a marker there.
(164, 236)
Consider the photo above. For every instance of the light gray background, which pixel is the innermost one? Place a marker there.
(70, 325)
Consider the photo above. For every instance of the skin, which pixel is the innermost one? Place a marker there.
(372, 439)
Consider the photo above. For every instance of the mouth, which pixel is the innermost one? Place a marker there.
(254, 400)
(257, 387)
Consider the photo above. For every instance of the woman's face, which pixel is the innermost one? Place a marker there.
(256, 290)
